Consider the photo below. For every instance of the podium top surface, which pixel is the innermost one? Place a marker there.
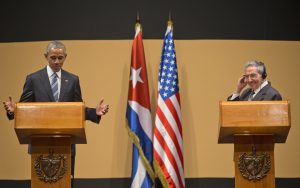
(254, 118)
(50, 119)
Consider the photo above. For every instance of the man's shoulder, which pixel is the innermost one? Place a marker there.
(37, 73)
(271, 93)
(42, 71)
(69, 74)
(271, 89)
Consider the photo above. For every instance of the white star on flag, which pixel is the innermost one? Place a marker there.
(135, 76)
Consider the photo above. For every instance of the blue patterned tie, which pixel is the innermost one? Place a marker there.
(54, 86)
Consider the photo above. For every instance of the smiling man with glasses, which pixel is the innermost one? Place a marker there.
(259, 89)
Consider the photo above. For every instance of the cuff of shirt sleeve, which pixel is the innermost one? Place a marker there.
(234, 95)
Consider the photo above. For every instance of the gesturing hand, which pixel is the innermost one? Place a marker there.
(241, 84)
(9, 105)
(101, 109)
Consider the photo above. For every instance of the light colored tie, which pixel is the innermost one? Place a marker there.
(54, 86)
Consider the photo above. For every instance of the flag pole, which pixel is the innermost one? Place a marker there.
(170, 22)
(138, 22)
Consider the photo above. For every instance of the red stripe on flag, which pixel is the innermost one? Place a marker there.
(174, 114)
(178, 98)
(164, 169)
(170, 131)
(170, 156)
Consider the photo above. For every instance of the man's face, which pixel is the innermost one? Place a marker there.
(253, 78)
(56, 58)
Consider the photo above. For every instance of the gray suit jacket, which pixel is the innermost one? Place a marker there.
(37, 88)
(267, 93)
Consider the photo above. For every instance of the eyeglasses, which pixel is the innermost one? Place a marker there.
(59, 58)
(252, 75)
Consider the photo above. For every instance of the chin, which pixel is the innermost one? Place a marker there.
(254, 87)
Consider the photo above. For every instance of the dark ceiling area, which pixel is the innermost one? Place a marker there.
(114, 20)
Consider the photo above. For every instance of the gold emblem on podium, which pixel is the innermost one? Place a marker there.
(254, 166)
(50, 168)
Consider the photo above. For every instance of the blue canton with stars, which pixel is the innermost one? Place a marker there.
(168, 76)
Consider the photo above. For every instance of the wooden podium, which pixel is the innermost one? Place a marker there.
(254, 127)
(50, 128)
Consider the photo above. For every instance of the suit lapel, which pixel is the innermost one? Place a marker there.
(64, 83)
(245, 95)
(261, 94)
(46, 84)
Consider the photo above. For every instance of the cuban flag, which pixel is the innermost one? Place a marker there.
(138, 115)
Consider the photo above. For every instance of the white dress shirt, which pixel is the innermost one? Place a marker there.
(50, 76)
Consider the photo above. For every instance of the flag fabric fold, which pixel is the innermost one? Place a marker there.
(167, 141)
(138, 114)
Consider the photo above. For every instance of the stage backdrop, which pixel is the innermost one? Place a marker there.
(208, 73)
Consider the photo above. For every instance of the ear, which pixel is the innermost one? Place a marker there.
(46, 55)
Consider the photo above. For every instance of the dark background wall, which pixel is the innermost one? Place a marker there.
(114, 19)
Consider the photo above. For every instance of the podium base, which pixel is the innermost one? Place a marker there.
(254, 161)
(50, 162)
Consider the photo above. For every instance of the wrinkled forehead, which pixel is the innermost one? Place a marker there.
(56, 51)
(251, 69)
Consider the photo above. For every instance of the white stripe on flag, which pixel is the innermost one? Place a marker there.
(160, 127)
(169, 28)
(165, 110)
(167, 163)
(137, 30)
(176, 106)
(139, 176)
(144, 117)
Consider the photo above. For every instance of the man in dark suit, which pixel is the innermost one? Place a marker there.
(259, 88)
(52, 84)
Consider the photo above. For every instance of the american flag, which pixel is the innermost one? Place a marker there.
(167, 143)
(138, 114)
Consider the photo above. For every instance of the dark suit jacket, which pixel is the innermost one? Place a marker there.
(37, 88)
(267, 93)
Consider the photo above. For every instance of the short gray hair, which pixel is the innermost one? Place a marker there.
(56, 45)
(261, 69)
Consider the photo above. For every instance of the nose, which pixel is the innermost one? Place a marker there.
(56, 61)
(248, 78)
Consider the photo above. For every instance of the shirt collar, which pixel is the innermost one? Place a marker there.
(260, 87)
(50, 72)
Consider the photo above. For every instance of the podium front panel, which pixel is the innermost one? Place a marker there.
(50, 118)
(254, 118)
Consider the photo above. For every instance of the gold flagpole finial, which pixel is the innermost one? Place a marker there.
(138, 22)
(170, 22)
